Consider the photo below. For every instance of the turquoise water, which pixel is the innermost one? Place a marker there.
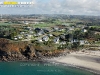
(38, 68)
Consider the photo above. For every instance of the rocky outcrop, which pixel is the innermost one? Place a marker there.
(13, 51)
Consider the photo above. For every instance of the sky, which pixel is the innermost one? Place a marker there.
(69, 7)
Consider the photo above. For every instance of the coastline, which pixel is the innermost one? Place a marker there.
(89, 61)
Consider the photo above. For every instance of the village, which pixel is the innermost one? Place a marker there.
(62, 33)
(58, 34)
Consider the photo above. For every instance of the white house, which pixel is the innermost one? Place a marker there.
(56, 28)
(74, 40)
(84, 30)
(40, 39)
(45, 38)
(15, 38)
(50, 35)
(28, 36)
(56, 40)
(26, 23)
(82, 42)
(22, 33)
(63, 43)
(19, 37)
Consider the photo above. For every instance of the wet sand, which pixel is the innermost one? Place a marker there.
(89, 60)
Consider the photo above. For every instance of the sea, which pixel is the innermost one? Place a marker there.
(39, 68)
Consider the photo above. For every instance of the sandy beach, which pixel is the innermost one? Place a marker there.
(89, 60)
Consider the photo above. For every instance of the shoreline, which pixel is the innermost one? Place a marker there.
(85, 61)
(95, 72)
(89, 61)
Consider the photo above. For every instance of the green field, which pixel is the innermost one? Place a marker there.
(44, 25)
(6, 24)
(40, 25)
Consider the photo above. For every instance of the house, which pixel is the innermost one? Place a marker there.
(71, 28)
(28, 28)
(61, 29)
(25, 22)
(35, 35)
(82, 42)
(19, 37)
(45, 38)
(31, 32)
(97, 33)
(36, 22)
(28, 36)
(15, 38)
(62, 37)
(22, 33)
(74, 40)
(56, 40)
(40, 40)
(84, 30)
(50, 35)
(56, 28)
(63, 43)
(45, 30)
(39, 31)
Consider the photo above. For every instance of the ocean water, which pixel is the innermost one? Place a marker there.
(38, 68)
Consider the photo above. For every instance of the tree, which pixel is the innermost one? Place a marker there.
(77, 34)
(75, 45)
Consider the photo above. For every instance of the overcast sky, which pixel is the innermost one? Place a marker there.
(69, 7)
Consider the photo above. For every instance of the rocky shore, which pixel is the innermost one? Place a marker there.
(23, 51)
(26, 51)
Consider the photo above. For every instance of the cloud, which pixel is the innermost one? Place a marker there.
(81, 7)
(70, 7)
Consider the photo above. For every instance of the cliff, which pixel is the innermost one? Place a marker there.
(13, 51)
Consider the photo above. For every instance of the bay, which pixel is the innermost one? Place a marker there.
(38, 68)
